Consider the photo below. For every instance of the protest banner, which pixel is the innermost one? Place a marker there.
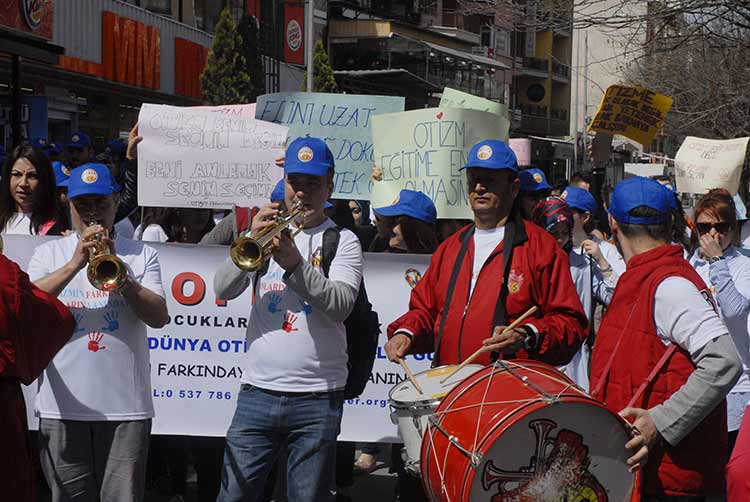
(197, 358)
(343, 121)
(206, 158)
(246, 110)
(633, 112)
(424, 150)
(702, 164)
(453, 98)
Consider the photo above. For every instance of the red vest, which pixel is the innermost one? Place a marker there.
(696, 465)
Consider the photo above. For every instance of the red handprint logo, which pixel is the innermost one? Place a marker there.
(289, 321)
(94, 339)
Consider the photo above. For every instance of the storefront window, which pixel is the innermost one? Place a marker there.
(207, 12)
(159, 6)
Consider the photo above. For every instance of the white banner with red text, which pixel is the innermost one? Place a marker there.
(197, 358)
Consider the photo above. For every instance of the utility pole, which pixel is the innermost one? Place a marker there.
(309, 28)
(576, 128)
(585, 98)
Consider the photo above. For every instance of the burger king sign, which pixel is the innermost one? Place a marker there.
(293, 35)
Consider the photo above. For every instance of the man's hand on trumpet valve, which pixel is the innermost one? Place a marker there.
(266, 217)
(86, 242)
(397, 347)
(285, 252)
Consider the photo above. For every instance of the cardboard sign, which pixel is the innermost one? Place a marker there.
(702, 164)
(206, 158)
(633, 112)
(457, 99)
(343, 121)
(424, 150)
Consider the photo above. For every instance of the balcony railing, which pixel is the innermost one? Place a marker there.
(559, 113)
(534, 110)
(536, 64)
(561, 70)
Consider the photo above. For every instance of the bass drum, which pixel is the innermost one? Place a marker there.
(522, 431)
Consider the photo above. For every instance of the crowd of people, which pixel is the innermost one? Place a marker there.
(629, 267)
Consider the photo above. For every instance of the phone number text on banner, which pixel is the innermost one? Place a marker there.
(197, 358)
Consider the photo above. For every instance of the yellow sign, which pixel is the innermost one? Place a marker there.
(633, 112)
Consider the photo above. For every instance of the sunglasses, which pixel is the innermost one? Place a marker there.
(721, 227)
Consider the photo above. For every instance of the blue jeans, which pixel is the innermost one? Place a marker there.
(308, 423)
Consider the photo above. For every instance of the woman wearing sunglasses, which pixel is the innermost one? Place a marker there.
(727, 273)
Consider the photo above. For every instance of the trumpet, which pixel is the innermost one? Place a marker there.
(249, 253)
(106, 271)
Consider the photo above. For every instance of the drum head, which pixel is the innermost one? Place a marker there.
(571, 451)
(429, 380)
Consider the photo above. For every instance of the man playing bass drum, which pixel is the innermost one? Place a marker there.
(487, 275)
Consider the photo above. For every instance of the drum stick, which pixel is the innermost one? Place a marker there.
(409, 374)
(483, 348)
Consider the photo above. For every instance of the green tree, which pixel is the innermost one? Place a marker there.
(248, 28)
(323, 79)
(224, 80)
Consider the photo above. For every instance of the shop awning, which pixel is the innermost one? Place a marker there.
(481, 60)
(17, 43)
(394, 77)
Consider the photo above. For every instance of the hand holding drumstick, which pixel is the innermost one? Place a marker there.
(503, 339)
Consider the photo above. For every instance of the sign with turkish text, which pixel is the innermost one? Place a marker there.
(197, 359)
(453, 98)
(702, 164)
(424, 150)
(634, 112)
(343, 121)
(206, 158)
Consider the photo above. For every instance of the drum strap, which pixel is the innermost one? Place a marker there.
(648, 381)
(499, 319)
(465, 240)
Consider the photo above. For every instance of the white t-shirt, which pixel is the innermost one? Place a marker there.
(152, 233)
(293, 347)
(682, 315)
(612, 255)
(485, 242)
(124, 228)
(19, 224)
(103, 372)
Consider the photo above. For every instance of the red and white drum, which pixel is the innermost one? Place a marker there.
(521, 431)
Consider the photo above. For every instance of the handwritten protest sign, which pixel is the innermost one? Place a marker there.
(633, 112)
(246, 110)
(457, 99)
(343, 121)
(424, 149)
(203, 158)
(702, 164)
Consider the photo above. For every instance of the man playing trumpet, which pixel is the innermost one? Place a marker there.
(487, 275)
(296, 366)
(94, 399)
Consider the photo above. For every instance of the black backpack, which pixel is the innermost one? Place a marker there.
(362, 326)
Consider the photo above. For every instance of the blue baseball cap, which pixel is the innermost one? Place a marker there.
(308, 156)
(492, 154)
(62, 173)
(115, 147)
(672, 194)
(79, 140)
(54, 147)
(411, 203)
(636, 192)
(91, 179)
(279, 191)
(533, 180)
(578, 198)
(40, 143)
(327, 205)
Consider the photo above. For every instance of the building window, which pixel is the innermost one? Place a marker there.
(163, 7)
(207, 12)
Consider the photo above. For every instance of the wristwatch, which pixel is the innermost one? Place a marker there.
(529, 339)
(715, 259)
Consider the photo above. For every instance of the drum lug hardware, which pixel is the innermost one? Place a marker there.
(476, 459)
(454, 440)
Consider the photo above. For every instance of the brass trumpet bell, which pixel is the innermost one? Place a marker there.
(106, 272)
(249, 253)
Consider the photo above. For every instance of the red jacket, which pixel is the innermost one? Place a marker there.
(539, 275)
(696, 465)
(33, 327)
